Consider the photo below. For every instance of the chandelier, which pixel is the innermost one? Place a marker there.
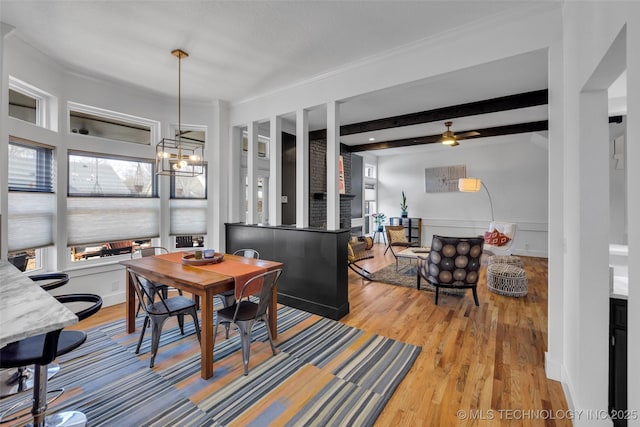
(180, 156)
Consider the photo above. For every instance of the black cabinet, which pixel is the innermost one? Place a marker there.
(412, 228)
(618, 360)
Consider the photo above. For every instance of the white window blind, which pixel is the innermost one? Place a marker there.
(31, 201)
(105, 219)
(30, 220)
(188, 216)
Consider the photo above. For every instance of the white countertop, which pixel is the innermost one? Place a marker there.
(620, 287)
(26, 309)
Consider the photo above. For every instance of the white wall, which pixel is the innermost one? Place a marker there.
(589, 67)
(106, 278)
(514, 169)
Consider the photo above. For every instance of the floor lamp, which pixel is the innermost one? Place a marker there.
(473, 185)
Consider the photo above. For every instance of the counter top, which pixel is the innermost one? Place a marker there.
(620, 288)
(26, 309)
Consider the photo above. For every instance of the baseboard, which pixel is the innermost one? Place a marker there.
(113, 299)
(552, 368)
(335, 313)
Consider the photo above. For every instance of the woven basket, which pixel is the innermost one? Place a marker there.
(507, 279)
(505, 259)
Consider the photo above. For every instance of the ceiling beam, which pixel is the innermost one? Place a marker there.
(538, 126)
(503, 103)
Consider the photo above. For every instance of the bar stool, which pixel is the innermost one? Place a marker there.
(41, 350)
(21, 379)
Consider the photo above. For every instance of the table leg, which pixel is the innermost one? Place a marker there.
(131, 303)
(206, 346)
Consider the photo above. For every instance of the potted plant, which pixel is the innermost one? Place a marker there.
(403, 206)
(379, 218)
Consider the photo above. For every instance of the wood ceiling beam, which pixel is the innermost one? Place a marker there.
(503, 103)
(482, 133)
(538, 126)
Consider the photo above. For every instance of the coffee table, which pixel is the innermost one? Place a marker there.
(413, 253)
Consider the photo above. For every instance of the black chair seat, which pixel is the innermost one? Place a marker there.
(246, 311)
(29, 351)
(170, 306)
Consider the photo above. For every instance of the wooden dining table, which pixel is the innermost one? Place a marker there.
(202, 282)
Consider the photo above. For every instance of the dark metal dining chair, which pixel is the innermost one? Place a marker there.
(141, 252)
(158, 312)
(229, 297)
(244, 313)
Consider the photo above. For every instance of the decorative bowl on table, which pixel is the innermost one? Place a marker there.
(189, 258)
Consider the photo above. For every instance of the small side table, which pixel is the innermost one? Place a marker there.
(377, 234)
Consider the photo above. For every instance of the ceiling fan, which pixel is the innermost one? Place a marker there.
(451, 139)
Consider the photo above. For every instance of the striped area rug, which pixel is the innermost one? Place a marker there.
(324, 374)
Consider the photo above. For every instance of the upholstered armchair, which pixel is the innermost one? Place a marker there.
(397, 240)
(453, 263)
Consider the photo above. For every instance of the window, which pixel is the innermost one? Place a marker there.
(369, 207)
(112, 204)
(100, 123)
(369, 171)
(23, 107)
(30, 104)
(263, 145)
(188, 205)
(31, 200)
(109, 176)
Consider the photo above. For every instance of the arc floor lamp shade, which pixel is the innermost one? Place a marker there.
(473, 185)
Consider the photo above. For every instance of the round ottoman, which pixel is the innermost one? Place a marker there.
(505, 259)
(507, 279)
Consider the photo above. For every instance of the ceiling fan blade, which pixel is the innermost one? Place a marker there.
(468, 134)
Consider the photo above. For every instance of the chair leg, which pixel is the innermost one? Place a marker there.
(475, 295)
(437, 292)
(215, 332)
(144, 328)
(194, 314)
(266, 323)
(227, 300)
(245, 338)
(181, 323)
(156, 330)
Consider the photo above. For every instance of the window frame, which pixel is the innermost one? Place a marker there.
(154, 125)
(45, 157)
(42, 98)
(154, 177)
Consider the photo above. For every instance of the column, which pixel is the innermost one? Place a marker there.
(235, 187)
(252, 173)
(333, 151)
(5, 30)
(275, 173)
(302, 168)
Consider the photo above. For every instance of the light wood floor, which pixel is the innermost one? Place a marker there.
(479, 366)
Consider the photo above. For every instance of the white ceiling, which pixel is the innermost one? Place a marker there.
(240, 49)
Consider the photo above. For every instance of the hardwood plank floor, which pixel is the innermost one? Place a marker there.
(479, 366)
(486, 361)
